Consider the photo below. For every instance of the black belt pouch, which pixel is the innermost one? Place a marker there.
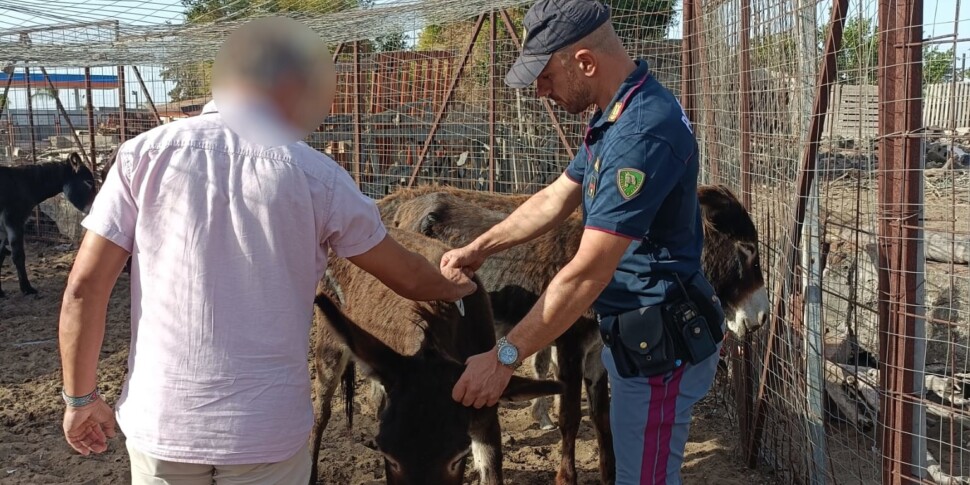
(639, 342)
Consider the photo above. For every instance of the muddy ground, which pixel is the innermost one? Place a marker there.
(33, 451)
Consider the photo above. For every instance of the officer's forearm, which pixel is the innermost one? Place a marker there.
(536, 216)
(568, 296)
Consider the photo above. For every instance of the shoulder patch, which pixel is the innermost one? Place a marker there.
(629, 181)
(615, 113)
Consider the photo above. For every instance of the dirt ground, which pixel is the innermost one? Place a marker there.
(33, 451)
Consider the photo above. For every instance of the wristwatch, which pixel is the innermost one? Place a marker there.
(508, 354)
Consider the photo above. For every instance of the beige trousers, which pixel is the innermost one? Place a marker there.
(146, 470)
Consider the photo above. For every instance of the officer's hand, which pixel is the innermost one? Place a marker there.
(483, 381)
(463, 285)
(466, 259)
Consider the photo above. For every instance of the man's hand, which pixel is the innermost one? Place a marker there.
(465, 258)
(464, 286)
(483, 381)
(88, 428)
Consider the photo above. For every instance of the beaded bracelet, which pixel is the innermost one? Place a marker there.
(80, 401)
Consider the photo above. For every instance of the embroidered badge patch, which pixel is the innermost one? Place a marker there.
(596, 166)
(615, 113)
(591, 188)
(629, 181)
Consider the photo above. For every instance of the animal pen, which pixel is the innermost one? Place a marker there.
(842, 125)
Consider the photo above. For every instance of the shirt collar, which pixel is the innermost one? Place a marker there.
(209, 107)
(622, 96)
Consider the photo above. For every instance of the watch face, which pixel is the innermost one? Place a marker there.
(507, 354)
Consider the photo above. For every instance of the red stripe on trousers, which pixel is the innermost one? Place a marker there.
(662, 415)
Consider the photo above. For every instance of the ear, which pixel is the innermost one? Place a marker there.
(586, 61)
(75, 160)
(370, 350)
(749, 251)
(524, 388)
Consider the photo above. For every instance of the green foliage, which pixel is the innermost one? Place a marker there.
(633, 19)
(938, 66)
(195, 79)
(858, 59)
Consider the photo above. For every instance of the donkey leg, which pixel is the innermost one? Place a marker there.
(330, 359)
(3, 255)
(541, 405)
(15, 238)
(598, 393)
(486, 434)
(570, 408)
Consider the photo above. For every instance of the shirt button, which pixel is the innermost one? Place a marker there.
(643, 345)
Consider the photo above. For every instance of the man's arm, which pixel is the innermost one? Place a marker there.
(84, 308)
(81, 333)
(411, 275)
(569, 294)
(537, 215)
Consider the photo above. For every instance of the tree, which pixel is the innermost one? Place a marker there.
(641, 20)
(939, 66)
(44, 93)
(858, 59)
(195, 79)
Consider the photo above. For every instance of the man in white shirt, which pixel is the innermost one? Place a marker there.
(228, 219)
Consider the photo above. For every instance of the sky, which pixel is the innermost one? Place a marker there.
(939, 20)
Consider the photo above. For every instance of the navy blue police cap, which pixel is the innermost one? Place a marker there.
(551, 25)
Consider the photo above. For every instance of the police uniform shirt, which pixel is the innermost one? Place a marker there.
(638, 168)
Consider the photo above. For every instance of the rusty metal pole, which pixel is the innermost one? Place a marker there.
(900, 204)
(122, 106)
(90, 109)
(148, 95)
(6, 91)
(806, 176)
(67, 118)
(356, 111)
(688, 55)
(30, 116)
(710, 118)
(491, 101)
(745, 64)
(444, 103)
(545, 102)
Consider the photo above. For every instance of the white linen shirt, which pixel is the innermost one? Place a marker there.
(228, 242)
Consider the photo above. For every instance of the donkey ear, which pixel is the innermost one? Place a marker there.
(75, 160)
(748, 250)
(524, 389)
(383, 360)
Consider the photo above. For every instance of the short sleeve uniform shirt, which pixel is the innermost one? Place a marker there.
(638, 168)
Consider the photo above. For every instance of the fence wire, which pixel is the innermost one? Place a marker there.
(816, 375)
(422, 99)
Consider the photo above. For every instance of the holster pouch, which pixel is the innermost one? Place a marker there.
(657, 339)
(639, 342)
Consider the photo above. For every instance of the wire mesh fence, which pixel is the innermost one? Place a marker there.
(800, 107)
(861, 378)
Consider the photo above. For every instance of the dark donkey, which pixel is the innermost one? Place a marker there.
(518, 275)
(417, 352)
(514, 279)
(22, 188)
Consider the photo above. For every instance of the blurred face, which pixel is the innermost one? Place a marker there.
(562, 81)
(290, 104)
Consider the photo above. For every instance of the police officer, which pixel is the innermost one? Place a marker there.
(636, 178)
